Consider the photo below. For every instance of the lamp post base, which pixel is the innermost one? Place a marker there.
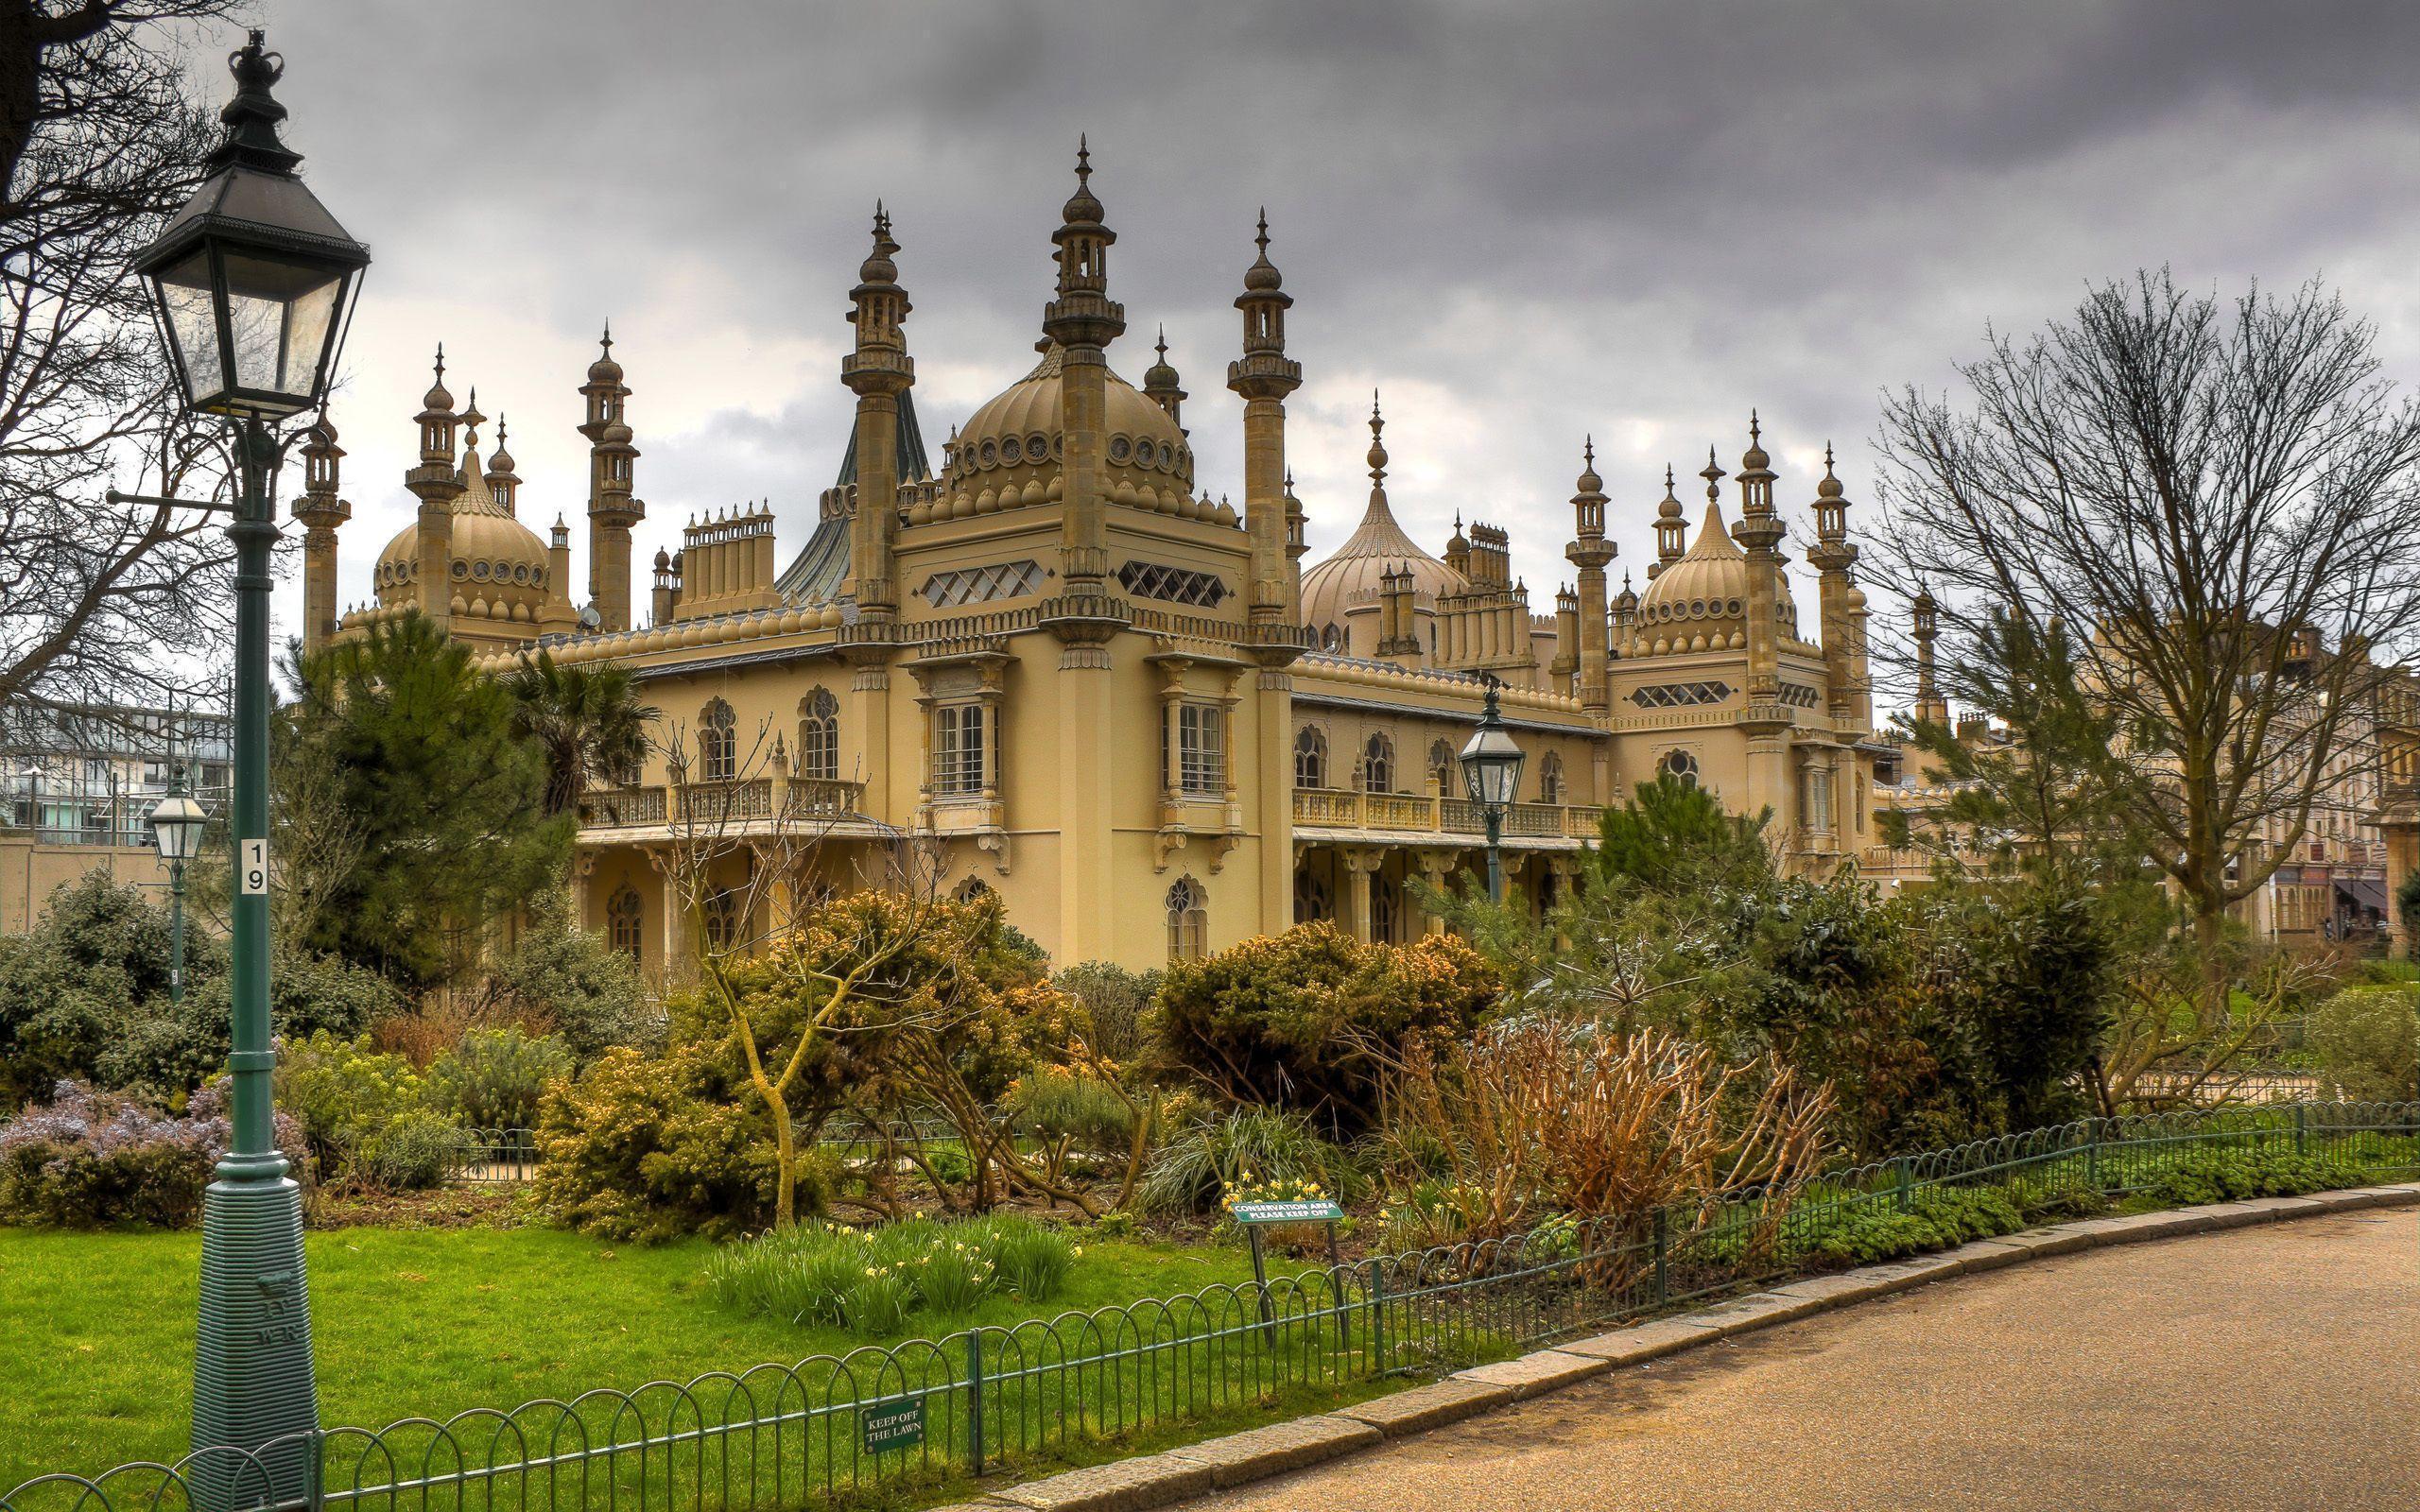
(256, 1412)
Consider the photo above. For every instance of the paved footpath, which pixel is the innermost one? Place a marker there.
(2276, 1367)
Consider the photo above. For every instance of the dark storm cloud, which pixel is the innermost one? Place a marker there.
(1526, 221)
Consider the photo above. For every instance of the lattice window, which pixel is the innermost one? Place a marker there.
(972, 890)
(980, 585)
(1177, 585)
(1188, 921)
(1799, 696)
(624, 915)
(1310, 756)
(819, 735)
(717, 743)
(959, 749)
(1680, 695)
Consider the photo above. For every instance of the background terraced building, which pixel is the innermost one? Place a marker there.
(1122, 704)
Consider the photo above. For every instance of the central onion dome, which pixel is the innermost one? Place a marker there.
(1348, 579)
(1700, 603)
(1009, 451)
(499, 566)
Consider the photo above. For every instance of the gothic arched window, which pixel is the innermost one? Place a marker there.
(1440, 767)
(1188, 921)
(623, 917)
(819, 735)
(1386, 909)
(1311, 901)
(1378, 764)
(1551, 779)
(717, 743)
(972, 890)
(1682, 767)
(1310, 756)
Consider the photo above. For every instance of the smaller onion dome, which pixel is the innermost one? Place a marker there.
(500, 461)
(1160, 374)
(1263, 275)
(1625, 601)
(1082, 208)
(1589, 481)
(1830, 488)
(439, 400)
(605, 370)
(1755, 456)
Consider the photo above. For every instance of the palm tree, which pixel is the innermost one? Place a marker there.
(587, 719)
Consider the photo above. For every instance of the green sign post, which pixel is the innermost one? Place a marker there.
(898, 1423)
(1253, 1216)
(1248, 1213)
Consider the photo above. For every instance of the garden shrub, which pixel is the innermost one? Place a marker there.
(343, 1093)
(2366, 1041)
(1116, 1005)
(1061, 1107)
(414, 1152)
(651, 1148)
(869, 1281)
(94, 1157)
(1937, 1218)
(571, 981)
(495, 1077)
(1305, 1021)
(1249, 1145)
(2198, 1176)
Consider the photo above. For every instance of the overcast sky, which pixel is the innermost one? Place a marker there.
(1524, 222)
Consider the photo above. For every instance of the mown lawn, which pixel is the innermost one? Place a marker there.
(97, 1328)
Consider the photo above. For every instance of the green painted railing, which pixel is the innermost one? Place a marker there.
(784, 1435)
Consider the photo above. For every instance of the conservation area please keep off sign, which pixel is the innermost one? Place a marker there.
(1320, 1212)
(898, 1423)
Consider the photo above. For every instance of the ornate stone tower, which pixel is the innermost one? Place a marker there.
(1930, 706)
(1671, 531)
(436, 484)
(1084, 320)
(1590, 553)
(1834, 557)
(1162, 385)
(1759, 532)
(1263, 376)
(322, 511)
(878, 371)
(611, 509)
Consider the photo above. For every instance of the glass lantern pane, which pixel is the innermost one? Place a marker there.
(280, 314)
(193, 324)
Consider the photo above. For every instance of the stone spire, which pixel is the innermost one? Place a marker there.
(320, 509)
(437, 485)
(611, 509)
(1843, 605)
(1084, 320)
(1162, 385)
(878, 370)
(1759, 531)
(504, 485)
(1591, 552)
(1671, 530)
(1930, 706)
(1262, 377)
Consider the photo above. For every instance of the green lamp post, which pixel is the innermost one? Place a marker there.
(254, 282)
(1491, 770)
(177, 822)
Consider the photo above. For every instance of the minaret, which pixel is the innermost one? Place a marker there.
(321, 510)
(1084, 320)
(666, 588)
(556, 616)
(503, 483)
(1832, 557)
(1590, 553)
(1297, 544)
(1671, 531)
(1161, 383)
(1758, 531)
(612, 509)
(1263, 376)
(1930, 707)
(437, 485)
(878, 371)
(1625, 617)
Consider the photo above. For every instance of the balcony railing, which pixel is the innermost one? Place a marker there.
(724, 803)
(1322, 808)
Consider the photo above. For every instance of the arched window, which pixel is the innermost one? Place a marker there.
(1311, 903)
(1378, 764)
(1681, 766)
(1440, 767)
(1331, 639)
(972, 890)
(819, 735)
(623, 917)
(1310, 756)
(1551, 779)
(717, 743)
(1188, 921)
(723, 923)
(1386, 909)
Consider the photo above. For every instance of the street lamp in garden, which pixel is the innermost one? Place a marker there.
(1492, 771)
(254, 282)
(177, 822)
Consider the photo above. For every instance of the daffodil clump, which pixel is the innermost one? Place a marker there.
(873, 1280)
(1249, 1187)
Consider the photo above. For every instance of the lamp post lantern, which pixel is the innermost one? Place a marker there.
(1492, 771)
(177, 822)
(253, 281)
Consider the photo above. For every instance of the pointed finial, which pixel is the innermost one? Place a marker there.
(1083, 159)
(1162, 348)
(1263, 237)
(881, 218)
(1589, 449)
(1755, 432)
(1827, 458)
(440, 363)
(1714, 475)
(499, 427)
(606, 339)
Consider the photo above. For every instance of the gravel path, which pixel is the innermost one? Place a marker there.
(2268, 1367)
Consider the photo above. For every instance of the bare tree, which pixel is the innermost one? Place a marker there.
(99, 142)
(2211, 507)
